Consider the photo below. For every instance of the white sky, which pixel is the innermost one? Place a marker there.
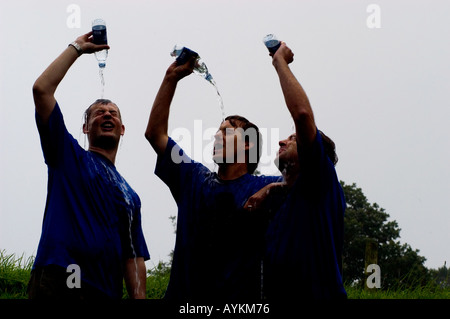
(380, 93)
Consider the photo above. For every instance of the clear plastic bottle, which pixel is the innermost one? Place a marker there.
(272, 43)
(99, 34)
(183, 54)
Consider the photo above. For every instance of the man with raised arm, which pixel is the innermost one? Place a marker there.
(218, 247)
(91, 234)
(305, 238)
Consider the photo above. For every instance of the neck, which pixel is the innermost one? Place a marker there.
(290, 178)
(290, 174)
(108, 153)
(231, 171)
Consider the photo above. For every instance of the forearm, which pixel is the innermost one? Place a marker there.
(157, 128)
(49, 80)
(294, 95)
(46, 84)
(297, 102)
(156, 132)
(135, 278)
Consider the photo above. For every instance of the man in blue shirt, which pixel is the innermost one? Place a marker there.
(218, 247)
(305, 238)
(92, 219)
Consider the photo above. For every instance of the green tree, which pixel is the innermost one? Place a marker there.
(441, 276)
(401, 266)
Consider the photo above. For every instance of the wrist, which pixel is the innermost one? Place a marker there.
(171, 78)
(277, 61)
(77, 47)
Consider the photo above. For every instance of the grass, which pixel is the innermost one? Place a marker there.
(15, 273)
(427, 292)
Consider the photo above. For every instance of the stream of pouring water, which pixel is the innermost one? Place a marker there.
(102, 81)
(219, 97)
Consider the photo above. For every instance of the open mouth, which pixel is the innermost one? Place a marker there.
(107, 125)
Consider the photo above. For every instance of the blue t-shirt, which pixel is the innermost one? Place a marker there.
(305, 238)
(218, 247)
(91, 212)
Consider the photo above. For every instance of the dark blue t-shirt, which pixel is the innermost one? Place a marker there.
(218, 247)
(90, 214)
(305, 238)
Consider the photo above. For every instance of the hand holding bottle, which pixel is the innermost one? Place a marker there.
(179, 71)
(86, 44)
(284, 53)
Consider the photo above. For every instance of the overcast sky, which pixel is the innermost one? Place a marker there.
(377, 74)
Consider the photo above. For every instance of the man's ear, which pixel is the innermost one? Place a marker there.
(85, 130)
(123, 130)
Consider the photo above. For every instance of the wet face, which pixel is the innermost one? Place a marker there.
(287, 154)
(229, 144)
(104, 126)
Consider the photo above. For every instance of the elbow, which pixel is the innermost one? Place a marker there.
(157, 140)
(38, 89)
(303, 117)
(152, 137)
(149, 136)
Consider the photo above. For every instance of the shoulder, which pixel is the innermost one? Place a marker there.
(55, 116)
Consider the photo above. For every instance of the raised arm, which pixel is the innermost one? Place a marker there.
(295, 97)
(45, 86)
(157, 128)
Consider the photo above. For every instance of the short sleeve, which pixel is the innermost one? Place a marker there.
(178, 170)
(54, 136)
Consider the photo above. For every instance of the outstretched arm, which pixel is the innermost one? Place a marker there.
(156, 132)
(295, 97)
(45, 86)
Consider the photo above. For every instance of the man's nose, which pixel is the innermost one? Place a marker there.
(107, 114)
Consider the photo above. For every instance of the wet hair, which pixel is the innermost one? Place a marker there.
(87, 113)
(329, 147)
(238, 121)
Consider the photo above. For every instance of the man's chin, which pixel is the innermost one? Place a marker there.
(279, 163)
(107, 141)
(218, 159)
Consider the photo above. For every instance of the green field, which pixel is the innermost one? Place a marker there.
(15, 273)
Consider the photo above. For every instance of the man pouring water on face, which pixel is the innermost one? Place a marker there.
(304, 241)
(217, 254)
(92, 216)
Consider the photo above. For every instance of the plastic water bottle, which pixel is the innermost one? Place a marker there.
(272, 43)
(183, 54)
(99, 34)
